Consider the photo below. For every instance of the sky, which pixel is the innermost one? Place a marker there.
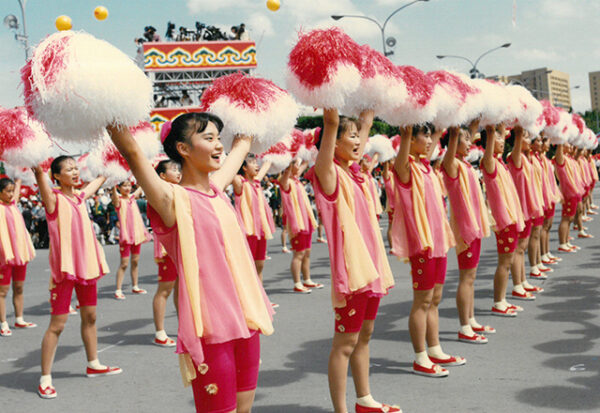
(558, 34)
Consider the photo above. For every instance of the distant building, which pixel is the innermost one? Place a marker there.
(595, 90)
(547, 84)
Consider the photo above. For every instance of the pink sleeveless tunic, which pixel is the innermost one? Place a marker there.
(568, 182)
(305, 216)
(528, 196)
(133, 222)
(255, 192)
(21, 250)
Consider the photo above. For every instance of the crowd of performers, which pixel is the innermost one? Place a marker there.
(432, 207)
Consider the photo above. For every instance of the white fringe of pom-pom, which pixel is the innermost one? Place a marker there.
(24, 174)
(381, 145)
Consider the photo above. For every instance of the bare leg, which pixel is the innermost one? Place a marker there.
(342, 347)
(433, 317)
(3, 293)
(50, 341)
(121, 272)
(17, 298)
(359, 360)
(501, 275)
(306, 265)
(465, 295)
(245, 399)
(135, 260)
(563, 229)
(296, 265)
(533, 249)
(159, 303)
(417, 320)
(88, 331)
(260, 265)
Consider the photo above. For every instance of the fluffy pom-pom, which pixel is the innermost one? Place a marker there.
(105, 160)
(85, 175)
(147, 138)
(23, 140)
(449, 97)
(438, 152)
(474, 155)
(494, 106)
(380, 87)
(552, 127)
(579, 122)
(324, 68)
(24, 174)
(382, 145)
(279, 155)
(250, 106)
(568, 128)
(77, 85)
(396, 142)
(529, 109)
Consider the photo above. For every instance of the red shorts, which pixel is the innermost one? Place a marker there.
(507, 239)
(258, 247)
(549, 213)
(527, 230)
(129, 249)
(538, 222)
(16, 272)
(166, 270)
(302, 241)
(283, 220)
(359, 307)
(60, 296)
(228, 368)
(426, 272)
(569, 207)
(469, 258)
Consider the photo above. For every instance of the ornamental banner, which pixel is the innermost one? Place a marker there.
(158, 116)
(185, 56)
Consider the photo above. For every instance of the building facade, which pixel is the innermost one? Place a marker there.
(595, 90)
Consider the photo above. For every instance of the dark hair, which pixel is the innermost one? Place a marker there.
(56, 165)
(483, 138)
(343, 127)
(183, 127)
(510, 140)
(248, 158)
(161, 168)
(120, 184)
(4, 182)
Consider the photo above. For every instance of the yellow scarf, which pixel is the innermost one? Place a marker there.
(246, 211)
(25, 249)
(296, 187)
(507, 188)
(139, 230)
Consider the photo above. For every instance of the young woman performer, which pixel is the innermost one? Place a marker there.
(132, 234)
(254, 209)
(388, 186)
(552, 196)
(587, 179)
(301, 223)
(503, 201)
(571, 192)
(360, 271)
(16, 250)
(222, 305)
(470, 223)
(367, 164)
(530, 197)
(421, 232)
(168, 171)
(76, 262)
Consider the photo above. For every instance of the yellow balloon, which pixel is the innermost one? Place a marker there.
(63, 23)
(273, 5)
(100, 13)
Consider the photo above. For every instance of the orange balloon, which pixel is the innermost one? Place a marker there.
(100, 13)
(273, 5)
(63, 23)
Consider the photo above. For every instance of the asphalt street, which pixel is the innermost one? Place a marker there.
(546, 359)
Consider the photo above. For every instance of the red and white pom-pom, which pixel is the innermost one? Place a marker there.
(382, 145)
(552, 128)
(568, 129)
(474, 155)
(77, 84)
(438, 152)
(396, 142)
(24, 174)
(106, 160)
(578, 122)
(529, 109)
(380, 87)
(418, 108)
(279, 155)
(85, 175)
(450, 94)
(250, 106)
(147, 138)
(495, 107)
(23, 140)
(308, 151)
(323, 69)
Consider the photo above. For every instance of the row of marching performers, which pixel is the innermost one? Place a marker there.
(217, 252)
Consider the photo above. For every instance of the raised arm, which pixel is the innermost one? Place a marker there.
(48, 196)
(324, 168)
(114, 196)
(302, 168)
(560, 155)
(239, 150)
(262, 172)
(284, 180)
(138, 192)
(373, 163)
(449, 163)
(386, 170)
(401, 165)
(365, 120)
(488, 155)
(17, 193)
(158, 192)
(92, 187)
(435, 138)
(516, 151)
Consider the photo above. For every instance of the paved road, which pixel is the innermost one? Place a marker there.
(547, 359)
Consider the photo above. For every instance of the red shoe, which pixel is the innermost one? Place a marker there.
(435, 370)
(108, 371)
(25, 325)
(516, 308)
(5, 333)
(484, 329)
(384, 408)
(557, 259)
(549, 262)
(474, 339)
(139, 291)
(592, 212)
(313, 285)
(540, 276)
(302, 290)
(546, 269)
(584, 235)
(561, 249)
(533, 289)
(450, 361)
(167, 342)
(273, 305)
(570, 238)
(527, 296)
(507, 312)
(47, 393)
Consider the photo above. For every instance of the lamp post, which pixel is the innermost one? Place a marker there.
(390, 41)
(12, 23)
(475, 73)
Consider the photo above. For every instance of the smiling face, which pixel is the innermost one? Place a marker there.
(347, 145)
(125, 188)
(69, 173)
(251, 168)
(172, 173)
(202, 150)
(7, 193)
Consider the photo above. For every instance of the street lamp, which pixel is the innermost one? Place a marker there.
(390, 41)
(12, 23)
(473, 71)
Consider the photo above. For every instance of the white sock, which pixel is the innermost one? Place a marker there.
(118, 292)
(550, 255)
(135, 287)
(422, 359)
(19, 320)
(535, 270)
(437, 352)
(519, 288)
(95, 364)
(501, 305)
(5, 325)
(467, 330)
(161, 335)
(45, 381)
(545, 257)
(299, 285)
(474, 323)
(368, 401)
(526, 284)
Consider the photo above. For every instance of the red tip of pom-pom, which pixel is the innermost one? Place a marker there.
(420, 86)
